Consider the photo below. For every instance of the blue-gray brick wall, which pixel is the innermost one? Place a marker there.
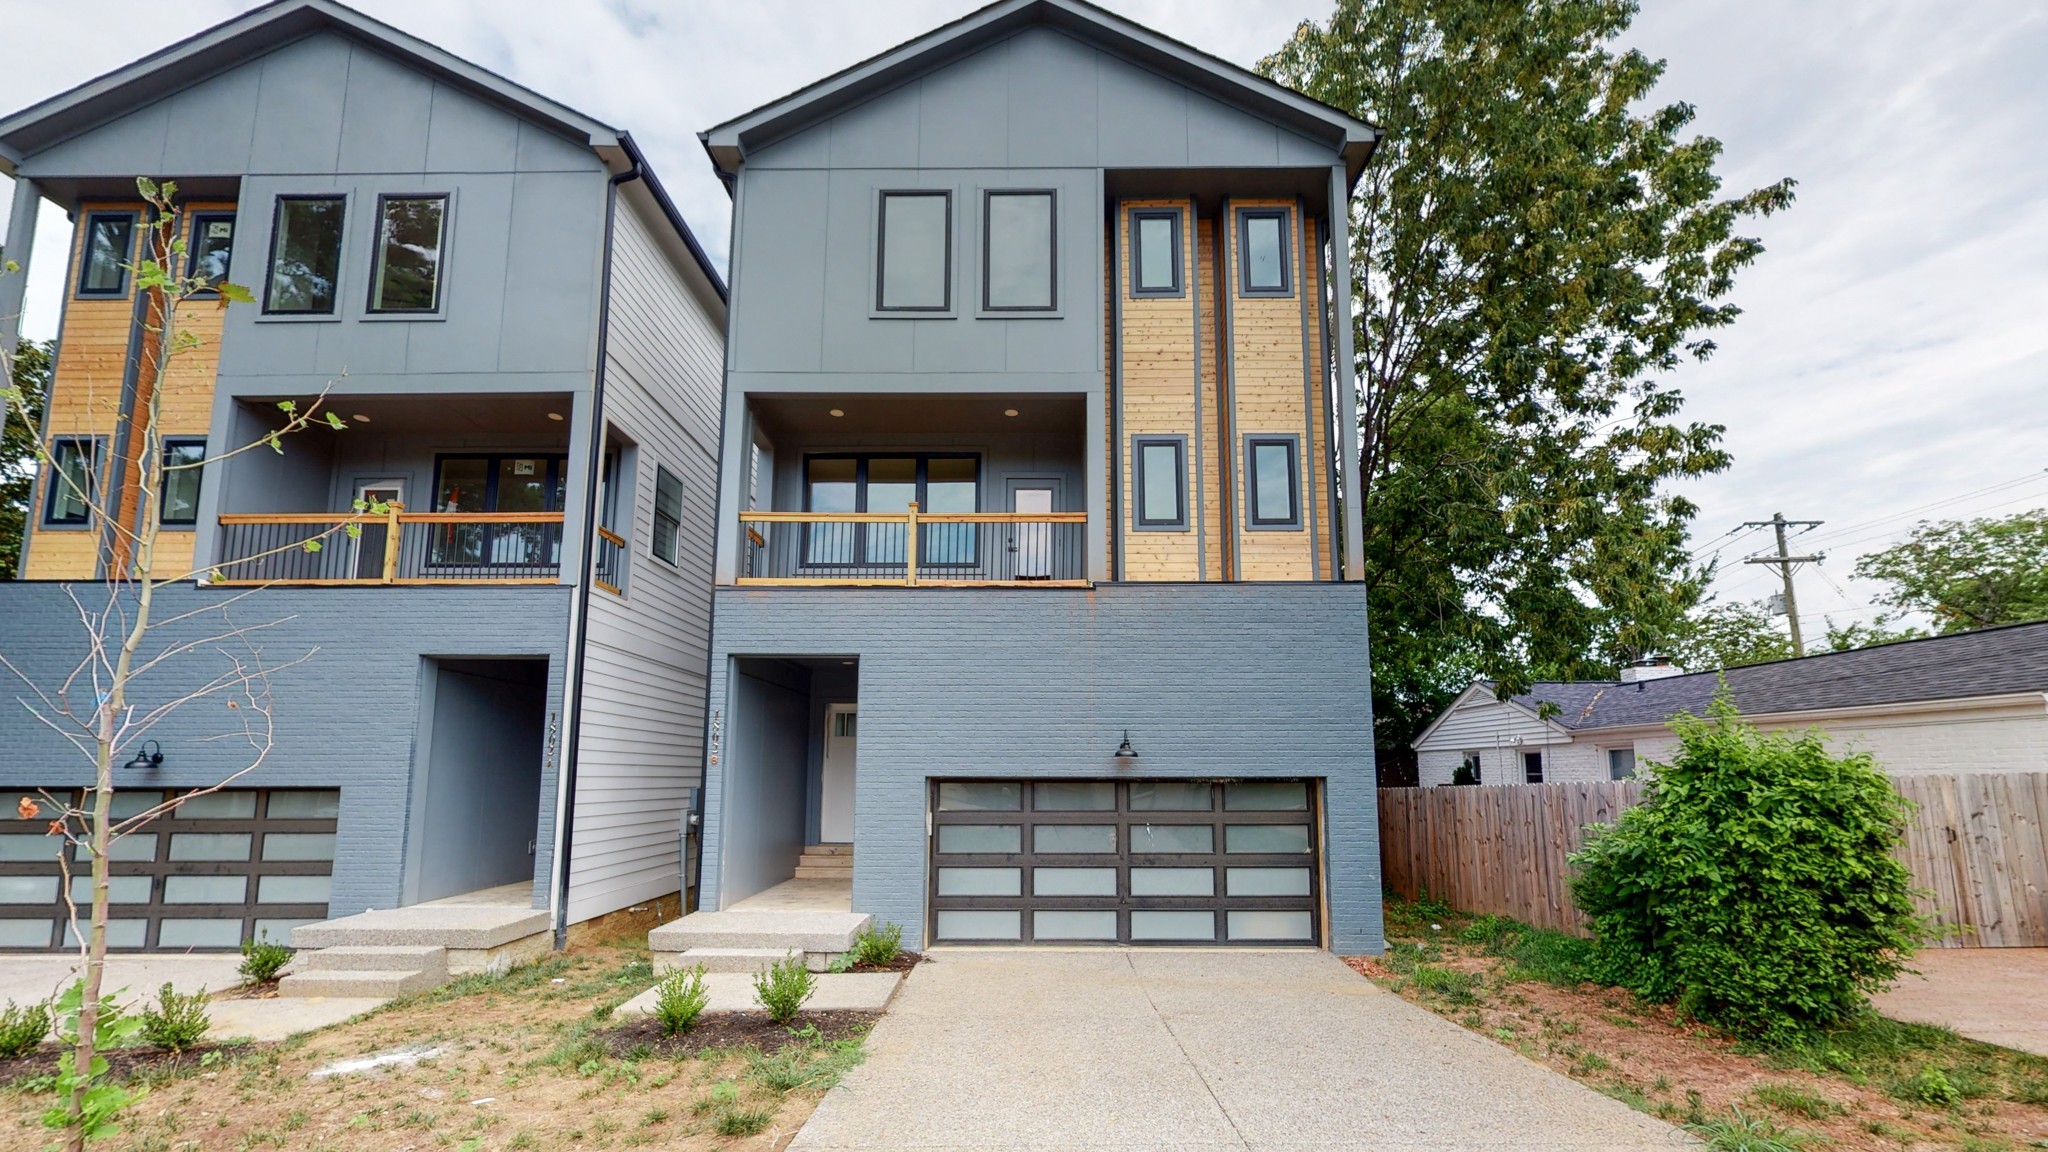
(1211, 680)
(346, 716)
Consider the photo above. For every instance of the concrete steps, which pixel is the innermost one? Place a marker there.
(826, 862)
(472, 937)
(747, 941)
(366, 970)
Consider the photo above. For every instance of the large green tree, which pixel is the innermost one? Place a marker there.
(18, 449)
(1967, 573)
(1535, 248)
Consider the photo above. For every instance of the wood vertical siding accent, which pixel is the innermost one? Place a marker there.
(1156, 351)
(641, 741)
(1215, 523)
(1112, 540)
(1266, 372)
(1318, 458)
(186, 404)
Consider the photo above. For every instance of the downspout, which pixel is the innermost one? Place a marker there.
(579, 624)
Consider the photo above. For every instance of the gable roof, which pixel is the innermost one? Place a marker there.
(1987, 662)
(1481, 690)
(729, 142)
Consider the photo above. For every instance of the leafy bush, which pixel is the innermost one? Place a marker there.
(178, 1021)
(1930, 1086)
(679, 999)
(783, 987)
(262, 960)
(1755, 884)
(877, 944)
(22, 1028)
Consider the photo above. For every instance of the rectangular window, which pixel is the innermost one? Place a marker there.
(1159, 481)
(484, 484)
(668, 514)
(1471, 767)
(305, 255)
(915, 247)
(213, 242)
(1621, 763)
(407, 274)
(1272, 482)
(73, 481)
(938, 482)
(1155, 259)
(1262, 252)
(1532, 767)
(109, 249)
(1018, 261)
(180, 491)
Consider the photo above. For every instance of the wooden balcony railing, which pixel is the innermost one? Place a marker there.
(611, 560)
(398, 547)
(953, 549)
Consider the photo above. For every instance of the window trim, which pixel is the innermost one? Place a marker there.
(1180, 287)
(1052, 197)
(1535, 755)
(78, 288)
(655, 517)
(439, 309)
(164, 482)
(878, 307)
(45, 520)
(192, 245)
(277, 203)
(1244, 267)
(1252, 442)
(1139, 443)
(860, 499)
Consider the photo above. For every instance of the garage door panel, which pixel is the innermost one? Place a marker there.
(1168, 862)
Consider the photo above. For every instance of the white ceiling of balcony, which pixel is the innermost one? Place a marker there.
(450, 412)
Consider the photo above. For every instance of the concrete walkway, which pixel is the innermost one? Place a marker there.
(1997, 995)
(134, 977)
(1193, 1051)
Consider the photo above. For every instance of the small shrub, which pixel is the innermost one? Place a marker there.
(1793, 1100)
(178, 1021)
(22, 1028)
(1755, 884)
(784, 987)
(262, 960)
(1738, 1132)
(1930, 1086)
(679, 999)
(877, 944)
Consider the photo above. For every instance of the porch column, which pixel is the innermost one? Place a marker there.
(1096, 484)
(732, 476)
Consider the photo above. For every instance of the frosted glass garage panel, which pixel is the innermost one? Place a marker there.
(1073, 881)
(1074, 796)
(1076, 838)
(1158, 838)
(306, 804)
(126, 804)
(15, 848)
(25, 933)
(1173, 925)
(278, 931)
(120, 933)
(28, 889)
(980, 924)
(981, 838)
(294, 889)
(210, 846)
(1171, 796)
(1265, 796)
(1265, 838)
(218, 806)
(980, 796)
(206, 890)
(981, 881)
(199, 933)
(1266, 882)
(1059, 924)
(298, 846)
(1173, 881)
(120, 890)
(133, 846)
(1260, 925)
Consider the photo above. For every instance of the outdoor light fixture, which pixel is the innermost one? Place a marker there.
(1124, 751)
(150, 755)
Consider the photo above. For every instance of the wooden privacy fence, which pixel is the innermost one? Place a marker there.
(1976, 844)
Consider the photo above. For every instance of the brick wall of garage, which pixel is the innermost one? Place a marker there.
(346, 716)
(1237, 680)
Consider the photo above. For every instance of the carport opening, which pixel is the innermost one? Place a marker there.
(477, 787)
(789, 804)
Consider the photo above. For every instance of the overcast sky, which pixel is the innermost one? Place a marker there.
(1893, 359)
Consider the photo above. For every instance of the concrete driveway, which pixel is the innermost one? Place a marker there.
(1997, 995)
(1191, 1051)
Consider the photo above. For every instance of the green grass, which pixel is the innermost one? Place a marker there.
(1740, 1132)
(1793, 1100)
(1448, 983)
(813, 1065)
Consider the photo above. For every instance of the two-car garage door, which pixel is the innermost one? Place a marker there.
(1175, 862)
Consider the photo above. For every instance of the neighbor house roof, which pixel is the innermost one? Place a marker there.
(1354, 138)
(1988, 662)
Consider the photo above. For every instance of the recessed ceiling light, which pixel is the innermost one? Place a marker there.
(554, 415)
(360, 418)
(839, 411)
(846, 661)
(1009, 411)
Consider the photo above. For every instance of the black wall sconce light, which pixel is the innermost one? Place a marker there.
(1124, 751)
(150, 755)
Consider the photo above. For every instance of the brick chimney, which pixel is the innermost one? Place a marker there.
(1654, 668)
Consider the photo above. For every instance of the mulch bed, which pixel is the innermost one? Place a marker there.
(267, 990)
(121, 1062)
(734, 1030)
(903, 962)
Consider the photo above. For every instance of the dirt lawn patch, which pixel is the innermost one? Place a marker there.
(1880, 1084)
(530, 1060)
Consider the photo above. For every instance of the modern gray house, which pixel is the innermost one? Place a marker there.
(493, 696)
(1038, 614)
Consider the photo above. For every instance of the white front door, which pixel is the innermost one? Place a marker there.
(369, 557)
(1032, 542)
(835, 803)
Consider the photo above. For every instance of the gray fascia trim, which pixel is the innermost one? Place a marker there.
(216, 49)
(728, 142)
(674, 214)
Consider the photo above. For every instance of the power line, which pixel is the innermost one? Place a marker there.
(1785, 563)
(2028, 478)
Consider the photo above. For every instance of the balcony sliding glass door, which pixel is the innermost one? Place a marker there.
(889, 484)
(498, 484)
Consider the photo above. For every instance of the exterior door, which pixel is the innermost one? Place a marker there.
(835, 800)
(1031, 544)
(369, 558)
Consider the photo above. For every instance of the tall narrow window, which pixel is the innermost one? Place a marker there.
(668, 515)
(213, 242)
(1532, 767)
(1273, 497)
(109, 249)
(1262, 252)
(407, 273)
(1156, 261)
(1018, 262)
(916, 252)
(305, 255)
(179, 497)
(73, 478)
(1160, 481)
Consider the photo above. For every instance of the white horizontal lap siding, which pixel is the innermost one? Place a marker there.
(1907, 745)
(1500, 732)
(641, 742)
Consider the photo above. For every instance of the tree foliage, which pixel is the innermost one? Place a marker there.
(1967, 573)
(1534, 247)
(32, 365)
(1728, 635)
(1755, 884)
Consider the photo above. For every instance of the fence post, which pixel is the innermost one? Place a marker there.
(910, 548)
(392, 531)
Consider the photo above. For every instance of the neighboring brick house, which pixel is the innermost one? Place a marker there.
(1032, 449)
(505, 685)
(1969, 702)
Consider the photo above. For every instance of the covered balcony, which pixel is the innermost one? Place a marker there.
(908, 489)
(417, 489)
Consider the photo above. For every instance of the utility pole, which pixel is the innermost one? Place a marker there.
(1785, 565)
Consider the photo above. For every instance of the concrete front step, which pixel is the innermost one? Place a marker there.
(384, 983)
(776, 930)
(824, 871)
(829, 850)
(375, 958)
(446, 926)
(748, 960)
